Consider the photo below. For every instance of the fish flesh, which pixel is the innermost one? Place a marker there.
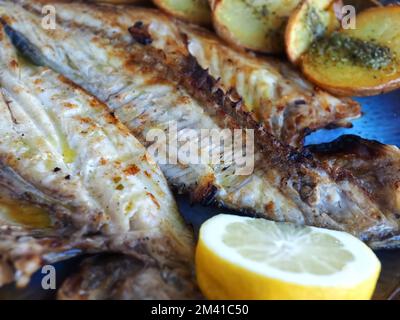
(116, 277)
(64, 150)
(277, 96)
(29, 240)
(135, 61)
(376, 165)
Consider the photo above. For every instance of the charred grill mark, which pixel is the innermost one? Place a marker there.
(339, 124)
(349, 145)
(209, 197)
(140, 33)
(300, 102)
(300, 156)
(205, 192)
(306, 189)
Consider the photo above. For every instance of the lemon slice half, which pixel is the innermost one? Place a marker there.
(245, 258)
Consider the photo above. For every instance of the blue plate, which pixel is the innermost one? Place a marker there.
(380, 121)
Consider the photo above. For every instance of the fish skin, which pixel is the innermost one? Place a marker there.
(25, 248)
(63, 149)
(116, 277)
(376, 165)
(286, 185)
(288, 105)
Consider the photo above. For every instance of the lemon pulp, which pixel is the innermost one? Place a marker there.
(246, 258)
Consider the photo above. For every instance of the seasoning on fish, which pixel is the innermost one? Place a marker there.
(148, 86)
(63, 150)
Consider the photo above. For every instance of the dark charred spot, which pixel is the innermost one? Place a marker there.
(199, 76)
(349, 145)
(209, 197)
(111, 118)
(140, 33)
(120, 187)
(138, 24)
(205, 191)
(307, 131)
(339, 124)
(300, 102)
(295, 156)
(56, 169)
(68, 177)
(307, 189)
(307, 154)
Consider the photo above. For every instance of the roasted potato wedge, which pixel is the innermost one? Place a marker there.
(362, 61)
(312, 20)
(194, 11)
(253, 24)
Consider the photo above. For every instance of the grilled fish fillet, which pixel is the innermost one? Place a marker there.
(376, 165)
(285, 103)
(137, 63)
(61, 148)
(28, 239)
(116, 278)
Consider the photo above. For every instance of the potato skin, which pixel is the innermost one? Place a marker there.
(294, 20)
(362, 82)
(276, 43)
(296, 24)
(222, 31)
(334, 6)
(349, 91)
(198, 15)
